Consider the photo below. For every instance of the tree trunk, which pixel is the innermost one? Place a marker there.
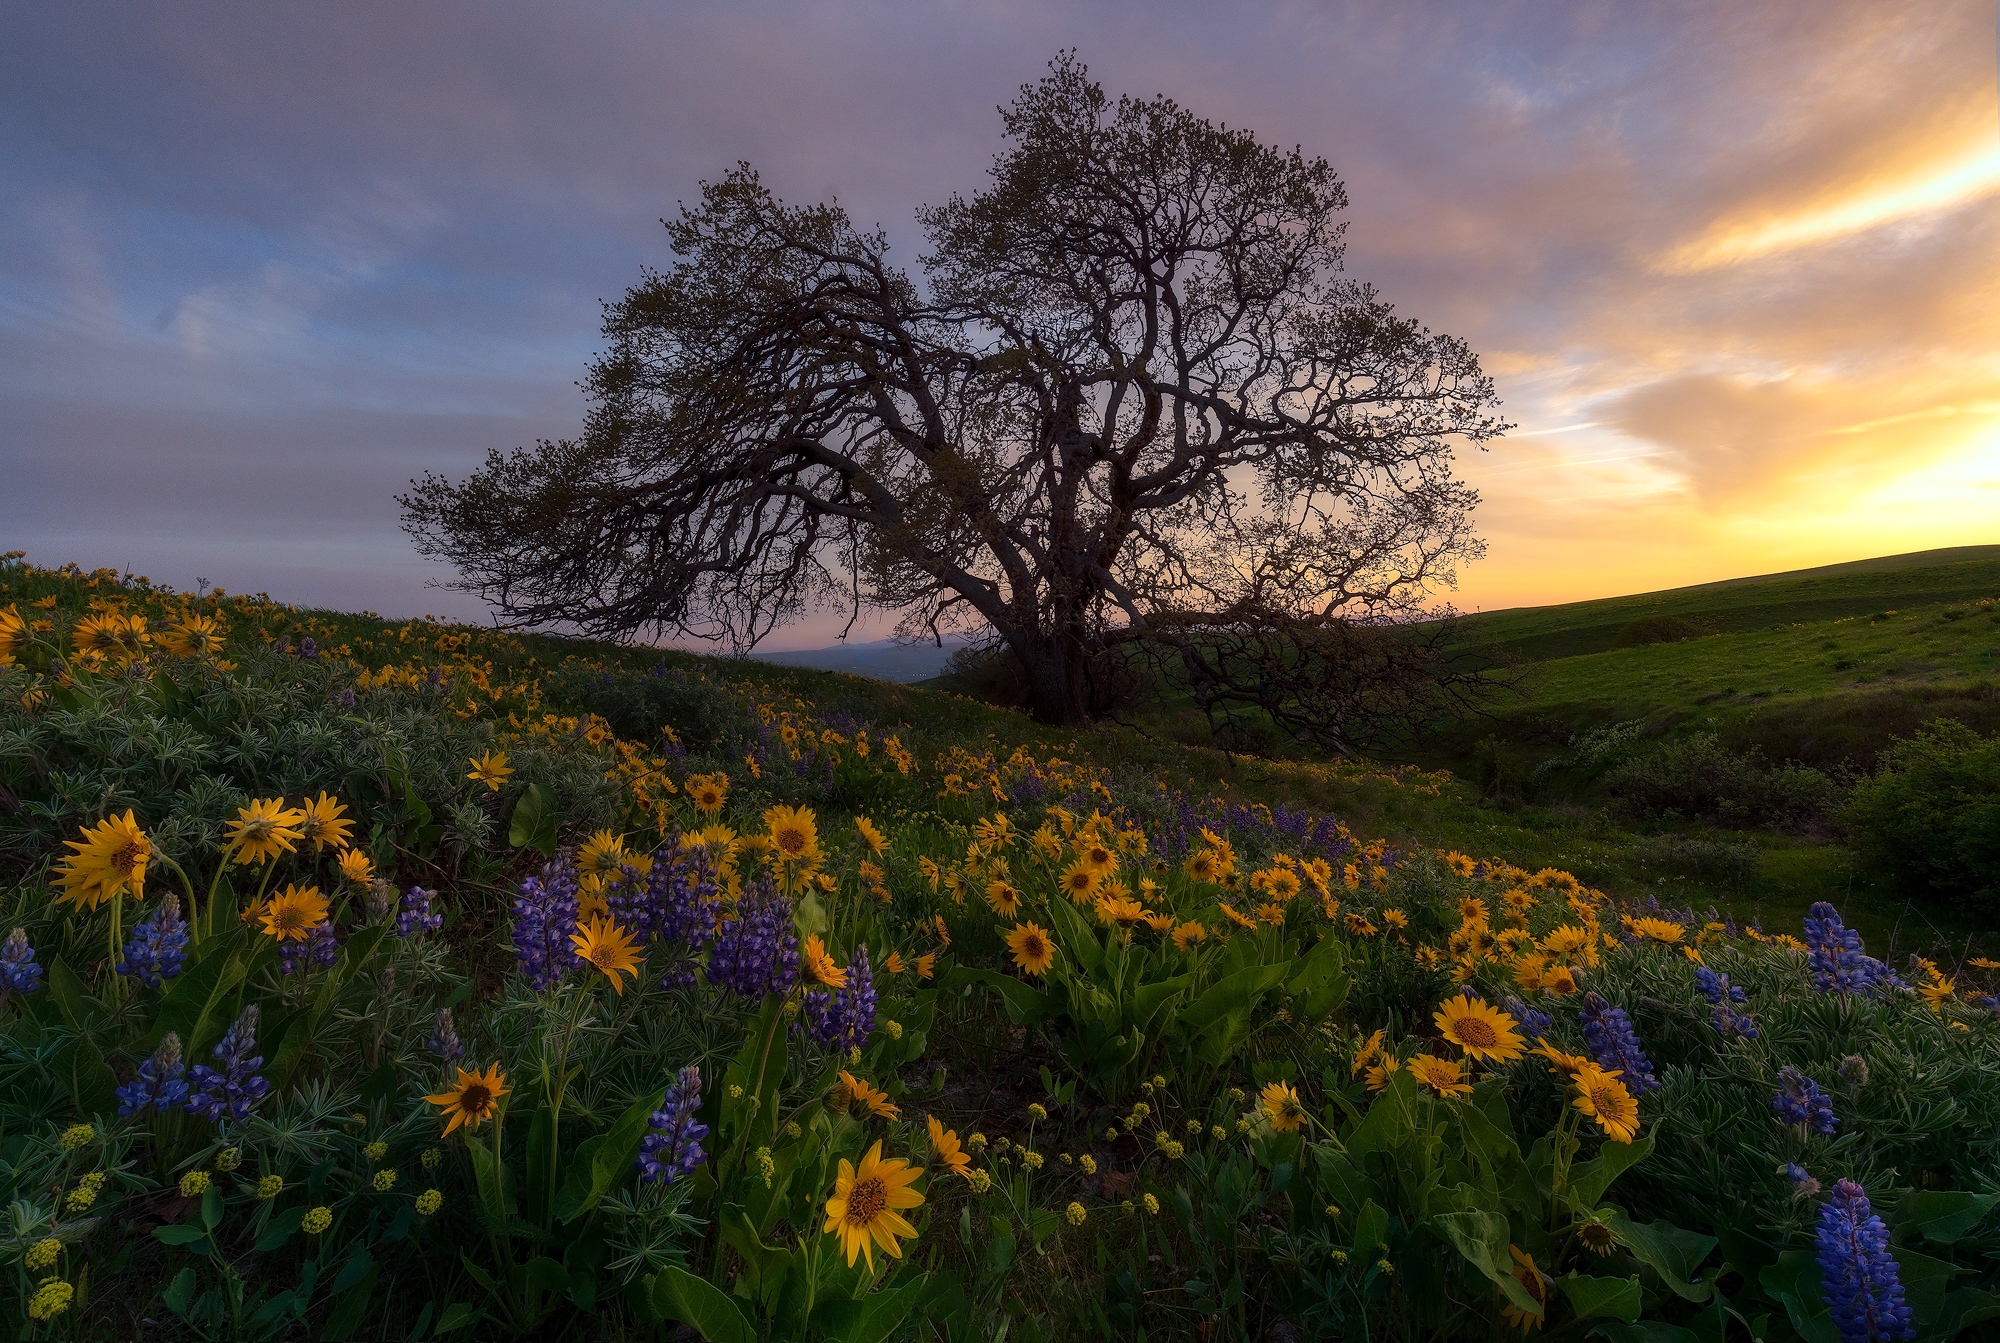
(1056, 687)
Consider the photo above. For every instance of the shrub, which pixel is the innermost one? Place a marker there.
(1700, 777)
(1931, 816)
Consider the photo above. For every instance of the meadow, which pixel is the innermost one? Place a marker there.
(371, 979)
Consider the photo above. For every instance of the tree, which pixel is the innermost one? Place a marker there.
(1132, 407)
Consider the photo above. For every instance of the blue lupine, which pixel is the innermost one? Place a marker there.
(1837, 961)
(1534, 1024)
(1803, 1184)
(545, 915)
(159, 1085)
(157, 949)
(1615, 1045)
(229, 1093)
(1724, 996)
(1799, 1100)
(844, 1018)
(416, 915)
(1858, 1277)
(19, 972)
(444, 1041)
(1715, 987)
(757, 952)
(673, 1147)
(675, 901)
(319, 948)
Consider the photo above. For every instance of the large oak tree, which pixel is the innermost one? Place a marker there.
(1130, 404)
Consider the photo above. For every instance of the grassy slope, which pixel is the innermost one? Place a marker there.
(1915, 655)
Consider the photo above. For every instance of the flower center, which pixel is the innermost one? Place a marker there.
(793, 842)
(1604, 1099)
(289, 918)
(474, 1099)
(1033, 946)
(603, 956)
(866, 1201)
(127, 859)
(1477, 1033)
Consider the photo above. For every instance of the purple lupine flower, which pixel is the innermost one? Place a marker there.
(235, 1088)
(1803, 1184)
(157, 949)
(1715, 987)
(1615, 1045)
(1799, 1100)
(346, 700)
(159, 1085)
(544, 920)
(844, 1018)
(1838, 963)
(1533, 1022)
(416, 915)
(675, 901)
(307, 648)
(444, 1041)
(757, 952)
(1858, 1277)
(673, 1147)
(19, 972)
(319, 949)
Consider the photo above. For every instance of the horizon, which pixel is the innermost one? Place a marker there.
(1734, 272)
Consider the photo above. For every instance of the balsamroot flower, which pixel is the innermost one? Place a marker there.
(1859, 1279)
(157, 949)
(867, 1204)
(1609, 1033)
(231, 1091)
(108, 861)
(673, 1147)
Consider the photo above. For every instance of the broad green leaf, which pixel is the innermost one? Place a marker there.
(602, 1161)
(1025, 1004)
(1075, 935)
(181, 1234)
(1674, 1254)
(534, 824)
(280, 1229)
(1942, 1216)
(545, 1273)
(1602, 1298)
(699, 1304)
(1589, 1180)
(456, 1316)
(886, 1311)
(1482, 1238)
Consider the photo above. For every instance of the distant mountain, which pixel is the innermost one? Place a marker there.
(883, 659)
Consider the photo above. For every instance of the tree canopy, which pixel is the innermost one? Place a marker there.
(1130, 406)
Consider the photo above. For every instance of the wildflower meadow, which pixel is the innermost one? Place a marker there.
(366, 980)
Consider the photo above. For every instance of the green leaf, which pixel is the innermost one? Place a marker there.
(1371, 1230)
(347, 1316)
(1607, 1298)
(534, 823)
(280, 1229)
(1025, 1004)
(200, 995)
(180, 1292)
(1674, 1254)
(1589, 1180)
(79, 1009)
(181, 1234)
(456, 1316)
(1482, 1238)
(547, 1274)
(887, 1310)
(697, 1303)
(1319, 978)
(1075, 936)
(601, 1162)
(351, 1272)
(1219, 1020)
(1793, 1282)
(1942, 1216)
(1647, 1331)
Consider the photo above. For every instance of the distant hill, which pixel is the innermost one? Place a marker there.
(883, 659)
(1739, 605)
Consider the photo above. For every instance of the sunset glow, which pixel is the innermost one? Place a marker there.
(1736, 269)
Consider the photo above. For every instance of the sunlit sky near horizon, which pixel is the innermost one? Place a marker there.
(1735, 266)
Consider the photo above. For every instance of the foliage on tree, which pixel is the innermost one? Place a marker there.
(1131, 409)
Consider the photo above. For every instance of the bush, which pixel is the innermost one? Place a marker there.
(1931, 817)
(1700, 777)
(1656, 630)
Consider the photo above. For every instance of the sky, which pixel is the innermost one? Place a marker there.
(1735, 267)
